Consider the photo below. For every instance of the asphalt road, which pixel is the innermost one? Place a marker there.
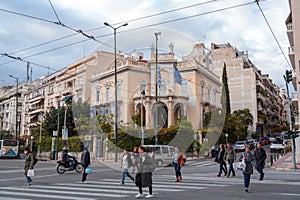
(199, 182)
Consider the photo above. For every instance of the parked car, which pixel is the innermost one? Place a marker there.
(239, 146)
(277, 146)
(162, 154)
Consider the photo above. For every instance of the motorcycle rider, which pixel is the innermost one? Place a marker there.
(66, 156)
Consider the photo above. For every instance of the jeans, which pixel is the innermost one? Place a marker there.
(125, 172)
(230, 162)
(177, 170)
(246, 179)
(261, 172)
(29, 180)
(222, 168)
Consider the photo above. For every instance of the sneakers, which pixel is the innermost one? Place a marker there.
(27, 184)
(246, 189)
(138, 196)
(148, 196)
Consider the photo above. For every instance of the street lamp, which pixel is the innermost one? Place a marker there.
(16, 131)
(156, 87)
(116, 99)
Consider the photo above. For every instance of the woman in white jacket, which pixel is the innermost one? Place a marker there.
(126, 163)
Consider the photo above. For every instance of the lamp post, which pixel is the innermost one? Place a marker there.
(116, 99)
(16, 131)
(156, 87)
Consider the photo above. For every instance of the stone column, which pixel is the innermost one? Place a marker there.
(170, 112)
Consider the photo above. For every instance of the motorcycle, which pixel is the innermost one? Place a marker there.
(62, 166)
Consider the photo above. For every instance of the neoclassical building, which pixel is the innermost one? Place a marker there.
(185, 89)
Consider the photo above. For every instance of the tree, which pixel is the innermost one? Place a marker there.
(225, 99)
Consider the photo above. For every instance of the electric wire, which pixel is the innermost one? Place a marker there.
(266, 20)
(141, 27)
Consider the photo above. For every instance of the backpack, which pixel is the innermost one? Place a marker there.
(35, 160)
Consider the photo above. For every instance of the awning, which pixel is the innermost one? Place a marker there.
(66, 98)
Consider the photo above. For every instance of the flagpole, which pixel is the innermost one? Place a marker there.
(156, 87)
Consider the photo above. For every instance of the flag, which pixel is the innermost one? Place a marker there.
(158, 77)
(177, 76)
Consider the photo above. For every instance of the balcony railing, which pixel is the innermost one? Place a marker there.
(289, 26)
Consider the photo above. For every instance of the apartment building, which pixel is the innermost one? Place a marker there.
(293, 30)
(10, 120)
(248, 87)
(53, 90)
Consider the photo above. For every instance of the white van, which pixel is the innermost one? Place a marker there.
(163, 154)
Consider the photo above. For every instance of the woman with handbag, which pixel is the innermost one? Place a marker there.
(248, 157)
(29, 163)
(220, 158)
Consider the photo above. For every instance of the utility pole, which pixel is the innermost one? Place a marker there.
(17, 95)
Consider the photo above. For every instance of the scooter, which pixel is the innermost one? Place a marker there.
(62, 166)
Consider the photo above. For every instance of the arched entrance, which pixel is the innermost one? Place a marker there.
(178, 113)
(160, 115)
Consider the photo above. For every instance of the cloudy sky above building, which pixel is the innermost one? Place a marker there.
(30, 31)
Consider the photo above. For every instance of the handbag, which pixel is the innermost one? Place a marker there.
(240, 165)
(30, 173)
(88, 170)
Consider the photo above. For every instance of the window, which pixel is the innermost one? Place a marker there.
(202, 92)
(107, 93)
(98, 94)
(208, 93)
(215, 97)
(119, 91)
(163, 90)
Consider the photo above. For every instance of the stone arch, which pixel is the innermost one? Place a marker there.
(178, 113)
(160, 109)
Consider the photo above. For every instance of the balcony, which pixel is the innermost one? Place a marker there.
(292, 56)
(67, 91)
(36, 98)
(289, 32)
(260, 96)
(259, 83)
(78, 87)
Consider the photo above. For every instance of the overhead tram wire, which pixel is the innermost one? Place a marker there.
(147, 26)
(131, 20)
(265, 18)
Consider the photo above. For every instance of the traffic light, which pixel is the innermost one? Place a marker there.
(292, 134)
(289, 75)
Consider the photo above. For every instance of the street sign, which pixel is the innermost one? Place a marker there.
(65, 134)
(88, 137)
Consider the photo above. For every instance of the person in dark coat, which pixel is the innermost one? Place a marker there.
(144, 176)
(136, 158)
(248, 157)
(29, 163)
(260, 158)
(220, 158)
(85, 161)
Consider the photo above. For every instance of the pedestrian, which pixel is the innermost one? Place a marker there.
(230, 156)
(144, 176)
(248, 157)
(260, 158)
(126, 163)
(178, 163)
(85, 161)
(136, 158)
(221, 160)
(29, 164)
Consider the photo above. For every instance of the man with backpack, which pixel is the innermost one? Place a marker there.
(126, 163)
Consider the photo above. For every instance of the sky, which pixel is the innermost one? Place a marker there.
(30, 31)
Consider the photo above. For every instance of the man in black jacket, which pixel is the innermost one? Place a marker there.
(260, 157)
(85, 161)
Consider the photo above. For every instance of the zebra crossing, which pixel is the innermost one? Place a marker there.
(104, 189)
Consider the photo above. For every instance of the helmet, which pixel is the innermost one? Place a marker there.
(65, 149)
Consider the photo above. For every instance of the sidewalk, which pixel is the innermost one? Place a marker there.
(285, 163)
